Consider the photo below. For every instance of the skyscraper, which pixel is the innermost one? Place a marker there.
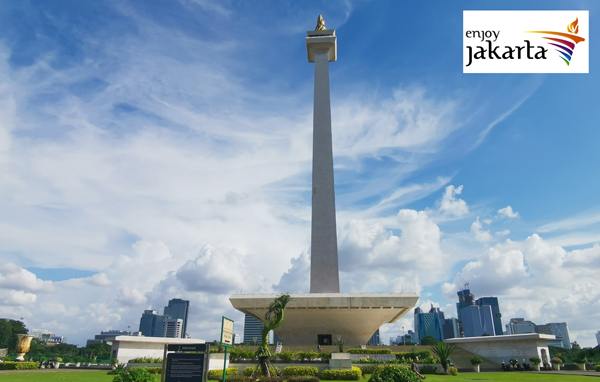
(496, 315)
(374, 340)
(465, 298)
(252, 329)
(477, 321)
(429, 324)
(172, 328)
(178, 308)
(147, 323)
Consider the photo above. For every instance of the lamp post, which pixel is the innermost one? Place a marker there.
(403, 337)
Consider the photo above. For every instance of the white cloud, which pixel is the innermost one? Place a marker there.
(508, 212)
(14, 277)
(505, 232)
(450, 205)
(479, 233)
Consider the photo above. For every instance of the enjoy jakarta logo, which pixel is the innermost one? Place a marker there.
(525, 42)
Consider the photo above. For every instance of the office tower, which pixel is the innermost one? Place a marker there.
(465, 298)
(561, 331)
(252, 330)
(496, 315)
(147, 322)
(477, 321)
(159, 325)
(172, 328)
(598, 337)
(520, 326)
(450, 328)
(428, 324)
(178, 308)
(374, 340)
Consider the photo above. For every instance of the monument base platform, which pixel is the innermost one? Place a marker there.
(319, 318)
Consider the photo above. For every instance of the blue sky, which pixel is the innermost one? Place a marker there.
(160, 149)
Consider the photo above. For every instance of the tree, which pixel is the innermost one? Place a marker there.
(8, 333)
(428, 340)
(273, 320)
(443, 351)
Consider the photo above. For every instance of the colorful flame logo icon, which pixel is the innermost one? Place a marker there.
(566, 44)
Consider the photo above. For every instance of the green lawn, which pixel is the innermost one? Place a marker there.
(101, 376)
(88, 376)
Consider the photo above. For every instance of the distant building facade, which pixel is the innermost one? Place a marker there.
(172, 328)
(477, 321)
(178, 309)
(374, 340)
(252, 329)
(102, 337)
(496, 315)
(598, 337)
(520, 326)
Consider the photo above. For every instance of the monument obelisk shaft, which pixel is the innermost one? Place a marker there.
(324, 271)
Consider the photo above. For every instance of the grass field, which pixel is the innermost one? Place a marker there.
(101, 376)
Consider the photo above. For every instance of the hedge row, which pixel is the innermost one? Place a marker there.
(240, 378)
(237, 354)
(342, 375)
(8, 365)
(301, 371)
(217, 375)
(412, 354)
(369, 351)
(145, 360)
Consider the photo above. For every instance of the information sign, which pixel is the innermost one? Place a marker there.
(227, 332)
(186, 347)
(185, 367)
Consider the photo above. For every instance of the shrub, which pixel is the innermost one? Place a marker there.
(453, 371)
(151, 370)
(287, 356)
(303, 379)
(422, 354)
(249, 370)
(369, 351)
(395, 374)
(597, 367)
(8, 365)
(345, 375)
(143, 360)
(476, 360)
(240, 352)
(428, 369)
(371, 369)
(305, 356)
(556, 360)
(324, 355)
(138, 374)
(535, 360)
(217, 375)
(301, 371)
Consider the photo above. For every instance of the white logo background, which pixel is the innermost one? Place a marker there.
(512, 27)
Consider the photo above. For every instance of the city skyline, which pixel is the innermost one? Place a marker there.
(150, 150)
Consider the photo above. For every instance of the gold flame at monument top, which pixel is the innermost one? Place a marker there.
(320, 24)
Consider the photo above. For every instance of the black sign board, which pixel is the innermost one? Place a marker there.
(190, 347)
(185, 367)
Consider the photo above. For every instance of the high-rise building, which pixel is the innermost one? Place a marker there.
(450, 328)
(598, 337)
(374, 340)
(465, 298)
(159, 325)
(178, 308)
(172, 328)
(520, 326)
(477, 321)
(561, 331)
(148, 322)
(428, 324)
(496, 315)
(252, 329)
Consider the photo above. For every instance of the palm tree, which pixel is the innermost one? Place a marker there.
(443, 351)
(273, 320)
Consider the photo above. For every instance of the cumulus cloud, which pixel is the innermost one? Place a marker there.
(452, 206)
(508, 212)
(14, 277)
(479, 233)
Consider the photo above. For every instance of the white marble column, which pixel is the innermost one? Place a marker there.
(324, 271)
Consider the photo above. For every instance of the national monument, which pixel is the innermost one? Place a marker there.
(325, 314)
